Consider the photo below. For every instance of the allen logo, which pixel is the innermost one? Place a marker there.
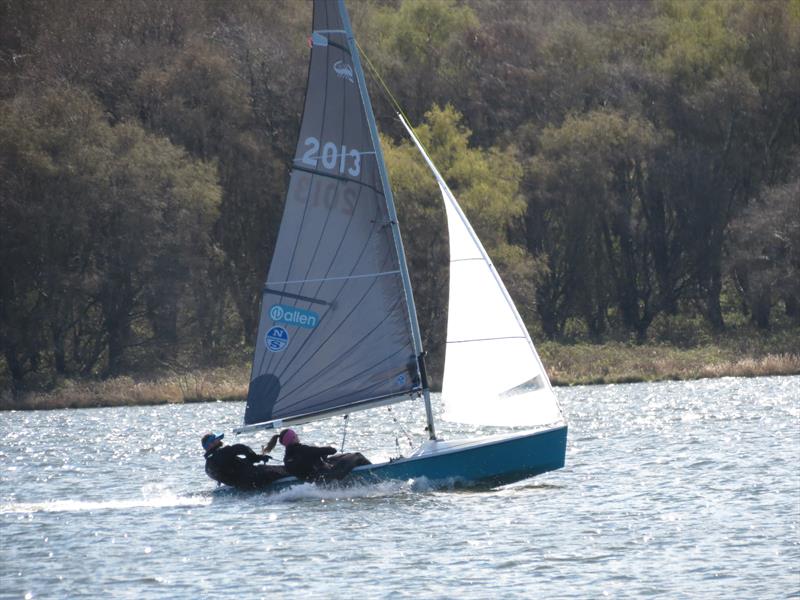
(291, 315)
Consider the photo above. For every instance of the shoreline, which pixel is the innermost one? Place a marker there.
(580, 364)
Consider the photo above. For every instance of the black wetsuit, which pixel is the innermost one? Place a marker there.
(306, 462)
(234, 466)
(310, 463)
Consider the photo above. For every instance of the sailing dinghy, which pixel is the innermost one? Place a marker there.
(338, 329)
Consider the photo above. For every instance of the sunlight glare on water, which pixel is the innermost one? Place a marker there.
(678, 489)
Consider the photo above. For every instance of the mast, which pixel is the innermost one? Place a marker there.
(398, 242)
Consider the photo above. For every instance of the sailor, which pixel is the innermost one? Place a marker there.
(235, 465)
(312, 463)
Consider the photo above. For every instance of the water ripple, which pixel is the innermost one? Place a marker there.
(675, 489)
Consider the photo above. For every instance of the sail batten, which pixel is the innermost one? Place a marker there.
(342, 278)
(486, 339)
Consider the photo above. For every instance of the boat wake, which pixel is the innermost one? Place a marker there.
(151, 498)
(331, 492)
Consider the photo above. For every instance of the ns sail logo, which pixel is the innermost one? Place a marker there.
(291, 315)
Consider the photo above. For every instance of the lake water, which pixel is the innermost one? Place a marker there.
(671, 490)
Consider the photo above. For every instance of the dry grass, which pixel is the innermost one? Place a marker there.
(566, 365)
(197, 386)
(772, 364)
(621, 363)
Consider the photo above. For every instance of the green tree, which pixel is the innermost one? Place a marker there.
(589, 217)
(732, 123)
(94, 218)
(765, 253)
(418, 47)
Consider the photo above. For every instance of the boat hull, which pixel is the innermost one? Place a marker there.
(494, 460)
(497, 460)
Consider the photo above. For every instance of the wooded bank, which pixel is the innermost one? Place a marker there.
(633, 168)
(568, 364)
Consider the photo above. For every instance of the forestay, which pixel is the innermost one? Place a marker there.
(334, 329)
(492, 374)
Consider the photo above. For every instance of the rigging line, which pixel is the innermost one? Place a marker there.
(344, 434)
(325, 412)
(403, 430)
(385, 87)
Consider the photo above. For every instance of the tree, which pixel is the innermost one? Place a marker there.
(417, 47)
(765, 252)
(589, 216)
(94, 219)
(730, 121)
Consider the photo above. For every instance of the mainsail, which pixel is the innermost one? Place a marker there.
(337, 328)
(492, 373)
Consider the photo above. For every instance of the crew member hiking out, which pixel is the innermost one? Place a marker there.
(311, 463)
(235, 465)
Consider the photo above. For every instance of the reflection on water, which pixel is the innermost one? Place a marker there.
(671, 489)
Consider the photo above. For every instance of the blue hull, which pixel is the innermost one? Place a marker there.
(494, 460)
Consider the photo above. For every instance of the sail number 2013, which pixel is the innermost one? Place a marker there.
(332, 157)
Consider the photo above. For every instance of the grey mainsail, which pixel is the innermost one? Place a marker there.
(337, 326)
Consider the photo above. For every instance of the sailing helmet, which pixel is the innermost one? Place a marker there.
(210, 439)
(287, 437)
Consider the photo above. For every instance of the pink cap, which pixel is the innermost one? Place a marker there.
(287, 437)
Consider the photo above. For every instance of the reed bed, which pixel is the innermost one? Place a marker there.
(205, 385)
(620, 363)
(566, 365)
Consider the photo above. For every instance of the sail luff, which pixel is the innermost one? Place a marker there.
(387, 191)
